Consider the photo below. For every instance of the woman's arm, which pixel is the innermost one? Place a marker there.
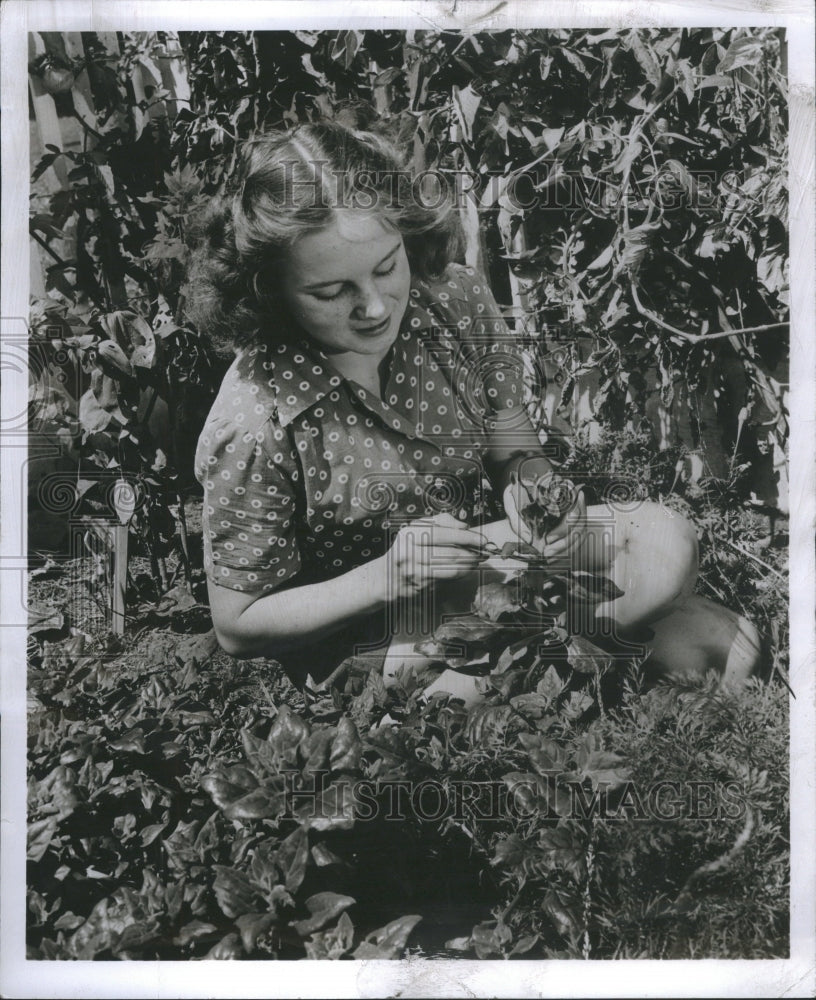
(250, 625)
(514, 454)
(513, 446)
(427, 550)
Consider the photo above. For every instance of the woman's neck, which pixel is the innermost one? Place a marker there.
(368, 370)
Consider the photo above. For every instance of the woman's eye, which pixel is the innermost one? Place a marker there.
(389, 270)
(329, 296)
(323, 297)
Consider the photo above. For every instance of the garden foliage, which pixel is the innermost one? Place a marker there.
(625, 191)
(185, 806)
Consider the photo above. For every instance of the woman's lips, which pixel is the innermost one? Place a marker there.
(372, 331)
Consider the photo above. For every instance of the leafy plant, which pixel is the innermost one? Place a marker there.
(625, 190)
(183, 804)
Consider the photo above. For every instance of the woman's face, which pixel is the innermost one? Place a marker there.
(347, 285)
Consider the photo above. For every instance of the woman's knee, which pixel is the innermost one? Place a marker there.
(747, 654)
(655, 563)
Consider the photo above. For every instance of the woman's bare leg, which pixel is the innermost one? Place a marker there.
(651, 554)
(697, 637)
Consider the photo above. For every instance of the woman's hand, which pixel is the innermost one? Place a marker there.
(431, 549)
(548, 512)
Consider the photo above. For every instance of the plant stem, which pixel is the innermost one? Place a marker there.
(751, 555)
(698, 338)
(590, 870)
(185, 551)
(86, 126)
(47, 248)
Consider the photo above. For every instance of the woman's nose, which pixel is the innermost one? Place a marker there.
(370, 304)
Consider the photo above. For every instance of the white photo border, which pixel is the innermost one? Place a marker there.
(793, 977)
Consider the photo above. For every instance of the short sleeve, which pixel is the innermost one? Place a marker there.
(248, 519)
(484, 331)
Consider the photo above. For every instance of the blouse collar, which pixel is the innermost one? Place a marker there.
(300, 374)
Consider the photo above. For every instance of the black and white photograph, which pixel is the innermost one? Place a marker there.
(407, 459)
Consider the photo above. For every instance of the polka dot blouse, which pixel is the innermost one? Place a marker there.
(306, 474)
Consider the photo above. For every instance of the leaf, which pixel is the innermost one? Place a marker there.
(602, 260)
(135, 936)
(548, 757)
(314, 750)
(513, 654)
(234, 892)
(562, 849)
(509, 852)
(253, 926)
(151, 832)
(388, 942)
(550, 686)
(519, 549)
(563, 917)
(592, 588)
(323, 856)
(332, 943)
(493, 600)
(333, 811)
(43, 165)
(346, 748)
(715, 80)
(194, 930)
(131, 742)
(128, 329)
(714, 240)
(45, 223)
(292, 857)
(40, 835)
(322, 907)
(44, 618)
(264, 803)
(645, 56)
(574, 60)
(486, 723)
(260, 753)
(468, 627)
(743, 51)
(637, 242)
(466, 103)
(93, 418)
(176, 599)
(114, 923)
(577, 704)
(772, 271)
(229, 784)
(531, 705)
(68, 922)
(387, 76)
(685, 74)
(229, 947)
(585, 657)
(113, 359)
(523, 945)
(489, 937)
(528, 790)
(287, 731)
(459, 944)
(263, 869)
(604, 768)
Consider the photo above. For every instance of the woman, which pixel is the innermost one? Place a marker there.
(375, 388)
